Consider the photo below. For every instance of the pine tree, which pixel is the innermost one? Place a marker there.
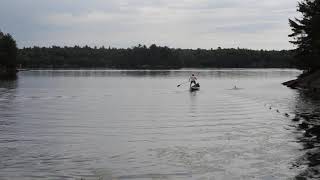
(306, 34)
(8, 51)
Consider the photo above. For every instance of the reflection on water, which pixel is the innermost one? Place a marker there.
(307, 121)
(117, 124)
(99, 73)
(8, 93)
(216, 73)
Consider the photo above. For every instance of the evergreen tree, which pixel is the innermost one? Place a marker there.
(8, 51)
(306, 34)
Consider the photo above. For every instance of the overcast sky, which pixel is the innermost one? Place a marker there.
(256, 24)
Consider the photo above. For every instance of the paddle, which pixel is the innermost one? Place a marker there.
(182, 83)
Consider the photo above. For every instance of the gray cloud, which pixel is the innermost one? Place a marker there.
(124, 23)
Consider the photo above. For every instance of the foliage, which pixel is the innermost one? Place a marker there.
(8, 51)
(306, 34)
(153, 57)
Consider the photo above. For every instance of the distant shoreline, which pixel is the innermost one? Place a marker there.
(136, 69)
(152, 57)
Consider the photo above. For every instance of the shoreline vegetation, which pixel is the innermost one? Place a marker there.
(152, 57)
(306, 36)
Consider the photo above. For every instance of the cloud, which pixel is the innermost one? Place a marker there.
(124, 23)
(68, 19)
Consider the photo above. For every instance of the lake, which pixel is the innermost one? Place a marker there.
(133, 124)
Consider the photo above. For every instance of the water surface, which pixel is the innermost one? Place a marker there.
(113, 124)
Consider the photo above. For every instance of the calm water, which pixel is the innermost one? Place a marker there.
(140, 125)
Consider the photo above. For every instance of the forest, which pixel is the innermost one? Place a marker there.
(152, 57)
(305, 35)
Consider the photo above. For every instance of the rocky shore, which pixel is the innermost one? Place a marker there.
(308, 81)
(308, 123)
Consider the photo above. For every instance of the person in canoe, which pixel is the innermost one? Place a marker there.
(192, 80)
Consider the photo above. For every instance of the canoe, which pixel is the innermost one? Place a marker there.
(195, 87)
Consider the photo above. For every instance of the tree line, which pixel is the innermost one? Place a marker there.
(305, 34)
(152, 57)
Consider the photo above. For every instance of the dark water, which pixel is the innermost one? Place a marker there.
(140, 125)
